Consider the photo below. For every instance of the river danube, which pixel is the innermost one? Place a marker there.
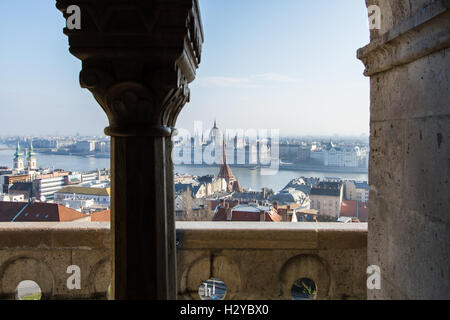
(248, 178)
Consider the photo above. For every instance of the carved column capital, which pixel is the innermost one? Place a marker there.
(138, 58)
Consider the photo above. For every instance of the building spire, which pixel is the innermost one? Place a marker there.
(31, 151)
(31, 157)
(17, 154)
(225, 172)
(18, 161)
(224, 155)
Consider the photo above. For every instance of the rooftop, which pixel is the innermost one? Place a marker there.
(37, 212)
(86, 191)
(327, 189)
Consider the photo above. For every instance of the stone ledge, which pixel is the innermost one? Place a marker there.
(425, 32)
(241, 235)
(265, 226)
(47, 226)
(189, 226)
(192, 235)
(51, 235)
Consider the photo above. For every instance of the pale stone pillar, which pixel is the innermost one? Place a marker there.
(137, 60)
(408, 62)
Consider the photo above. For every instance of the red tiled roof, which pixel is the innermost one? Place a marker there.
(104, 215)
(225, 172)
(349, 209)
(246, 216)
(37, 212)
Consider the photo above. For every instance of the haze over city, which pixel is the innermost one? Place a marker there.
(307, 159)
(288, 65)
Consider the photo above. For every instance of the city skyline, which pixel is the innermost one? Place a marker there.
(275, 63)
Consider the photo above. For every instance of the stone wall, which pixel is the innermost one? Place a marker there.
(255, 260)
(408, 61)
(41, 252)
(262, 260)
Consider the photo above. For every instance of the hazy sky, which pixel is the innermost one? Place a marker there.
(288, 65)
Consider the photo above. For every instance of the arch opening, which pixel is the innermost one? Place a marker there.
(28, 290)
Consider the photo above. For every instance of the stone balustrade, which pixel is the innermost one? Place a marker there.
(255, 260)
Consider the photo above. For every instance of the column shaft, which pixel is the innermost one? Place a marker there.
(143, 268)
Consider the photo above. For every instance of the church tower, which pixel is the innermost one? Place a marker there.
(31, 158)
(18, 159)
(225, 173)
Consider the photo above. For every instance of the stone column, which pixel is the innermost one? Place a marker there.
(137, 60)
(408, 62)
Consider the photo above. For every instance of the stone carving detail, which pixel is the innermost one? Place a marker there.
(424, 32)
(138, 59)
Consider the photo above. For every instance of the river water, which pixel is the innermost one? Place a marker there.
(248, 178)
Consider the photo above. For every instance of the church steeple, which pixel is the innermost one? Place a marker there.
(31, 158)
(225, 172)
(17, 154)
(31, 151)
(224, 155)
(18, 160)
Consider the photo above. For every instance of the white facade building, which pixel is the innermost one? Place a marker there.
(48, 186)
(100, 196)
(12, 198)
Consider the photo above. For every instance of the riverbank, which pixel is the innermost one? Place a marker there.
(299, 167)
(282, 167)
(286, 167)
(75, 154)
(250, 178)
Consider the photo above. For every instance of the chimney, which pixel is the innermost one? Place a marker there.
(228, 211)
(262, 216)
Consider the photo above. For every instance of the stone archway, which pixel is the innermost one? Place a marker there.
(138, 69)
(305, 266)
(18, 269)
